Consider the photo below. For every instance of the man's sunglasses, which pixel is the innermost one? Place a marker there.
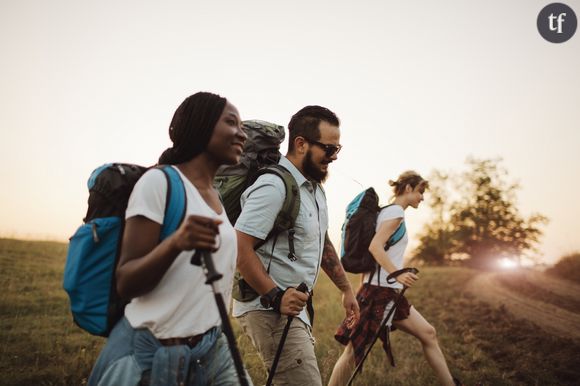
(329, 150)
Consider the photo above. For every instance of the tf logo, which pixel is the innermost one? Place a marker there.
(557, 22)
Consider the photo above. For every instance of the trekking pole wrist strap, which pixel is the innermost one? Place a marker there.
(392, 278)
(277, 300)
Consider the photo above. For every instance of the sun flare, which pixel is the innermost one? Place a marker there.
(507, 263)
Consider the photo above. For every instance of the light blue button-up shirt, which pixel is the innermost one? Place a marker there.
(261, 203)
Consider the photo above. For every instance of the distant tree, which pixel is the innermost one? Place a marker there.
(475, 217)
(568, 267)
(436, 240)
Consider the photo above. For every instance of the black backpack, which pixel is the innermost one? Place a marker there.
(358, 230)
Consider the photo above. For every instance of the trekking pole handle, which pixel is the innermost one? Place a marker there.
(392, 278)
(302, 288)
(205, 256)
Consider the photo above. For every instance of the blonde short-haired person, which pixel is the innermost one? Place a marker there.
(408, 191)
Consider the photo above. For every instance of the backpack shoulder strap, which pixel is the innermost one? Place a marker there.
(175, 202)
(399, 232)
(291, 206)
(393, 239)
(397, 235)
(286, 218)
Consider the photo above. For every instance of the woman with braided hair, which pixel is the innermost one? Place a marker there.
(376, 292)
(171, 308)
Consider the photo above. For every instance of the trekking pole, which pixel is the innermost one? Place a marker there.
(302, 288)
(211, 277)
(390, 280)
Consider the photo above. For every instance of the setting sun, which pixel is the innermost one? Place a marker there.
(507, 263)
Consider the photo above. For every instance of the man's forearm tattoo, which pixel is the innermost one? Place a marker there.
(331, 265)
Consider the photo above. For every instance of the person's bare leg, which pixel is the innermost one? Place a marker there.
(343, 368)
(417, 326)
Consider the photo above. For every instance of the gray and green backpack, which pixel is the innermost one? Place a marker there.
(261, 155)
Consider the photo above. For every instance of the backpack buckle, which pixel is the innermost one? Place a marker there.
(95, 234)
(292, 255)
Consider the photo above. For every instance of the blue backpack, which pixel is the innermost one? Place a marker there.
(94, 249)
(358, 230)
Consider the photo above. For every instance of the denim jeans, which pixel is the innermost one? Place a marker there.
(131, 352)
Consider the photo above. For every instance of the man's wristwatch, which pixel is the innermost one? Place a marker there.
(272, 299)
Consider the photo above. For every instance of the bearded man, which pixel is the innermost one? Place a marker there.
(275, 268)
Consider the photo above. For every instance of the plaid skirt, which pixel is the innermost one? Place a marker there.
(372, 301)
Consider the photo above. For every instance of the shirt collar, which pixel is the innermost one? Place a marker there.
(300, 179)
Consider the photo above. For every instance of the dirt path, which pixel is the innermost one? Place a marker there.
(553, 319)
(560, 287)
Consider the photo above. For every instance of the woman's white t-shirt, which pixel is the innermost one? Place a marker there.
(181, 304)
(396, 252)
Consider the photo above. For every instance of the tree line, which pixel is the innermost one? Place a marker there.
(475, 218)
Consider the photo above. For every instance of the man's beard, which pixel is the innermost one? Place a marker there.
(311, 170)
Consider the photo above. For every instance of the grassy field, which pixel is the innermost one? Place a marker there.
(39, 344)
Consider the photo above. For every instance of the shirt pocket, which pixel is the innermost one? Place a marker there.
(307, 226)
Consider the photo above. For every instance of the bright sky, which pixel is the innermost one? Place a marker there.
(417, 85)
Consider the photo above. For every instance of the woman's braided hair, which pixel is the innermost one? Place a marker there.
(192, 127)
